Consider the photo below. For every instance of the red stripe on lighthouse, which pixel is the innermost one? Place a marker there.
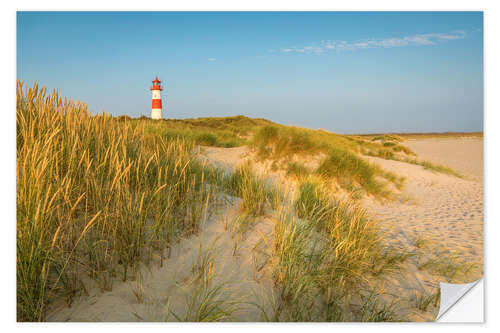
(156, 103)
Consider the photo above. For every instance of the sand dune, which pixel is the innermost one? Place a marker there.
(444, 210)
(441, 207)
(236, 262)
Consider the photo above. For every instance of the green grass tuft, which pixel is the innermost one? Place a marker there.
(451, 267)
(297, 170)
(324, 258)
(256, 194)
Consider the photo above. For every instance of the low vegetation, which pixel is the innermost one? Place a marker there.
(215, 131)
(206, 298)
(436, 167)
(279, 143)
(450, 267)
(341, 162)
(431, 135)
(98, 196)
(326, 255)
(424, 300)
(255, 193)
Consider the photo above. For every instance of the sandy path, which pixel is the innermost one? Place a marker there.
(238, 261)
(225, 158)
(443, 208)
(238, 264)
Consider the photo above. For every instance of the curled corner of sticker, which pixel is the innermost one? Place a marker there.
(451, 294)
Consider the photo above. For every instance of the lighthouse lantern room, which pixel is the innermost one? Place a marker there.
(156, 105)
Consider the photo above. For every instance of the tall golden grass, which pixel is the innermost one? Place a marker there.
(97, 196)
(94, 198)
(327, 253)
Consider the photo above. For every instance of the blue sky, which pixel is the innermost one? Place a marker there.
(348, 72)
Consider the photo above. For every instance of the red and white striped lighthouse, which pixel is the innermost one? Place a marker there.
(156, 105)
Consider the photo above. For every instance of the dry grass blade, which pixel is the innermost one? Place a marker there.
(93, 194)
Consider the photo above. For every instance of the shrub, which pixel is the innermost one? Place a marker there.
(297, 170)
(349, 169)
(207, 139)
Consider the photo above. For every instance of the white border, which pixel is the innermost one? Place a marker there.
(8, 70)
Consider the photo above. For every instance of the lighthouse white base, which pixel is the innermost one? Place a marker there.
(156, 114)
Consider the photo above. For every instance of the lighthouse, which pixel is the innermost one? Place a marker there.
(156, 105)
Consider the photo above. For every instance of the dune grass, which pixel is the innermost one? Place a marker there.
(325, 257)
(413, 160)
(438, 168)
(215, 131)
(297, 170)
(430, 135)
(394, 142)
(99, 196)
(424, 300)
(276, 142)
(206, 298)
(373, 310)
(256, 194)
(421, 242)
(350, 171)
(386, 138)
(92, 196)
(450, 267)
(430, 166)
(341, 163)
(96, 196)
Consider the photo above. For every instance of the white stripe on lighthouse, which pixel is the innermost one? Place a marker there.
(156, 113)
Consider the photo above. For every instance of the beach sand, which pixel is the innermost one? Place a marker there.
(465, 155)
(235, 263)
(443, 212)
(444, 208)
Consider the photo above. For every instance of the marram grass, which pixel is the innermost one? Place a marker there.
(97, 196)
(341, 163)
(327, 252)
(94, 197)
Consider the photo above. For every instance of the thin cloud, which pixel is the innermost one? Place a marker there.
(211, 59)
(373, 43)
